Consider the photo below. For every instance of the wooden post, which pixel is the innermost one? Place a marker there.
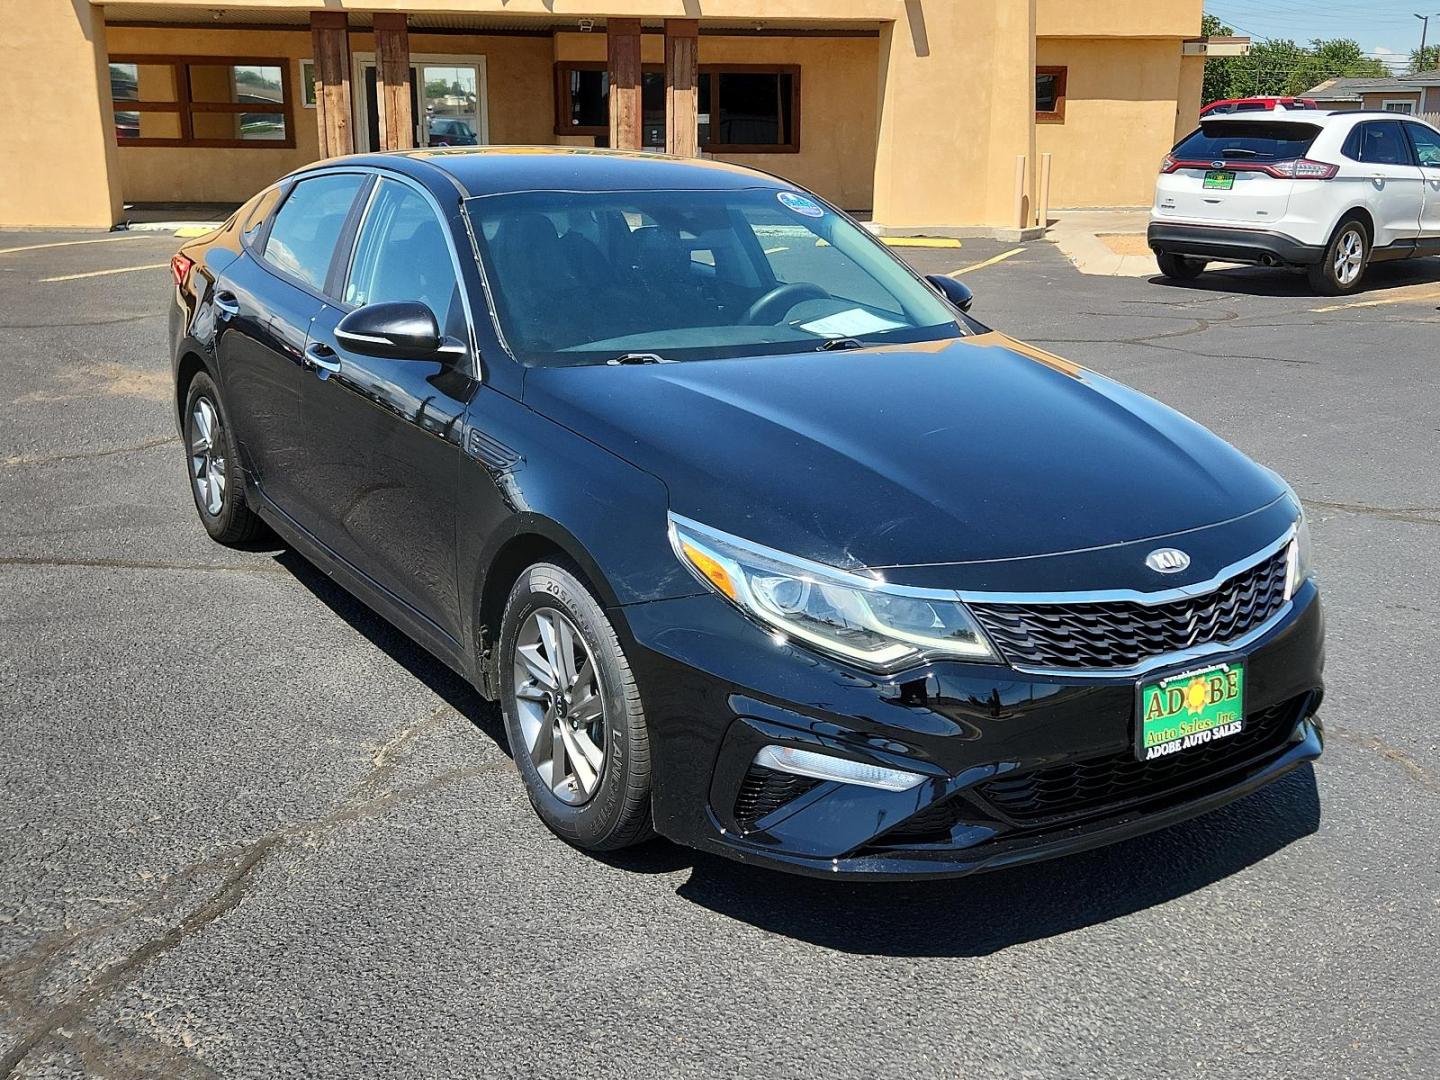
(622, 38)
(682, 87)
(331, 40)
(392, 82)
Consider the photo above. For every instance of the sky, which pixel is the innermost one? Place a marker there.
(1386, 29)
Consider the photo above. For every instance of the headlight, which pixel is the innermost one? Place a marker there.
(1300, 567)
(854, 616)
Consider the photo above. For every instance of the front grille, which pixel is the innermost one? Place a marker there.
(1105, 783)
(1125, 633)
(763, 791)
(1100, 785)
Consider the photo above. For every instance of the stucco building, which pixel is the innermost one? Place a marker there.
(932, 115)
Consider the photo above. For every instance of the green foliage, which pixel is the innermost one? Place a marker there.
(1429, 62)
(1278, 67)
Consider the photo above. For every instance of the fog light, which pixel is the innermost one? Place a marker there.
(825, 767)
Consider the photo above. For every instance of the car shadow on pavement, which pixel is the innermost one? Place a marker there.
(1266, 281)
(987, 913)
(451, 687)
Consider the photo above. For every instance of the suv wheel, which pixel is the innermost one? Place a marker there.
(214, 467)
(1180, 267)
(1343, 265)
(572, 712)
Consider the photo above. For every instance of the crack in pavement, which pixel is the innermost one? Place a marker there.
(1413, 768)
(87, 455)
(142, 564)
(93, 322)
(20, 979)
(1411, 515)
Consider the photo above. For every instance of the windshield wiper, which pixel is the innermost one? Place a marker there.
(637, 358)
(835, 344)
(1238, 150)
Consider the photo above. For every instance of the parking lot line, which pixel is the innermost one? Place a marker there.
(102, 273)
(919, 241)
(1408, 298)
(987, 262)
(69, 243)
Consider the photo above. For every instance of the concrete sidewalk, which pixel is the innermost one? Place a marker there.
(1106, 242)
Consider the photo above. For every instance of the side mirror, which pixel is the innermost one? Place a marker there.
(957, 292)
(404, 330)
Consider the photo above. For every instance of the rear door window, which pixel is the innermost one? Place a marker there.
(302, 240)
(1379, 142)
(1247, 140)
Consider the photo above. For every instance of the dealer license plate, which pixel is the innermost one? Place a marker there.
(1180, 712)
(1219, 180)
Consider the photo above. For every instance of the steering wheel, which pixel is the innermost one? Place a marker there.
(779, 300)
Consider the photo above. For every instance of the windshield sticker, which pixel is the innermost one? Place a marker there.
(851, 323)
(793, 200)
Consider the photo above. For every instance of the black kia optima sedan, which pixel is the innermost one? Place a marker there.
(760, 540)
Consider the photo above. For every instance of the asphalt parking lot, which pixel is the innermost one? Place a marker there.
(247, 829)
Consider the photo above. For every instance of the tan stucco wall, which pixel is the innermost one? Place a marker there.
(58, 162)
(1118, 18)
(957, 106)
(1121, 115)
(837, 104)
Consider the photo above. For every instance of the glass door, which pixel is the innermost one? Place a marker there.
(450, 95)
(447, 102)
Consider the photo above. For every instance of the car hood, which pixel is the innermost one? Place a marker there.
(966, 450)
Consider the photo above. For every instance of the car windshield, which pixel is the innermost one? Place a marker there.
(1258, 140)
(644, 276)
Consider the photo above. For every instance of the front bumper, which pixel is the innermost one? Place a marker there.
(1231, 245)
(1021, 767)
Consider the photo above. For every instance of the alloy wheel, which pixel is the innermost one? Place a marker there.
(557, 701)
(207, 455)
(1349, 254)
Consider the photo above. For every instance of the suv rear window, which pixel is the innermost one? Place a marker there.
(1247, 140)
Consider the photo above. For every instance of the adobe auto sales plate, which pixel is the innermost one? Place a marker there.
(1177, 713)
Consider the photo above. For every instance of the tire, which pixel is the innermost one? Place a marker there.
(1347, 257)
(1180, 267)
(615, 810)
(213, 467)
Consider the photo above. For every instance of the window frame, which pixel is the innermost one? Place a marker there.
(791, 146)
(1061, 75)
(1411, 127)
(184, 107)
(1408, 110)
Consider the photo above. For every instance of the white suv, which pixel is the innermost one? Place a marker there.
(1326, 192)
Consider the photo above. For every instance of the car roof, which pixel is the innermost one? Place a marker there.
(495, 170)
(1314, 117)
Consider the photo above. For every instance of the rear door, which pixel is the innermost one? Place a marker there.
(267, 302)
(1385, 179)
(1426, 144)
(1217, 174)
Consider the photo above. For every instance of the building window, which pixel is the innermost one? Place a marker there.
(201, 101)
(1398, 105)
(743, 108)
(307, 83)
(1050, 94)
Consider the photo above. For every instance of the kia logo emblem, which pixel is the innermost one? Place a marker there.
(1167, 560)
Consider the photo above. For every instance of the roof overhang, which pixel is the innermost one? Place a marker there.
(1216, 46)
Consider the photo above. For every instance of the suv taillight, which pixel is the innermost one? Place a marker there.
(179, 267)
(1168, 164)
(1302, 169)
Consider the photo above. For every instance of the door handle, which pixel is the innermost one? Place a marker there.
(320, 357)
(226, 303)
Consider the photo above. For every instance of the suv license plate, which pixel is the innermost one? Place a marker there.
(1176, 713)
(1219, 180)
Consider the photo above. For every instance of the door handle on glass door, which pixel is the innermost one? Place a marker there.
(320, 357)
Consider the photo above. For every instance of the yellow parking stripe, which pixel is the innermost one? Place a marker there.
(1411, 298)
(70, 243)
(988, 262)
(919, 241)
(102, 273)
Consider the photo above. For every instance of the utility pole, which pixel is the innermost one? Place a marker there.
(1424, 30)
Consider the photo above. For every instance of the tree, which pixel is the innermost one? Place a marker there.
(1428, 62)
(1278, 67)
